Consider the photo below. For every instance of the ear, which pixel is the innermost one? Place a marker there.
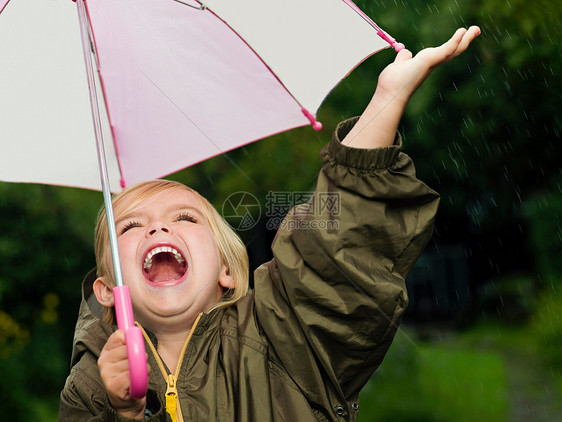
(225, 279)
(104, 293)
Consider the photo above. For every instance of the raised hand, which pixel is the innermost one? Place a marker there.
(399, 80)
(114, 371)
(396, 84)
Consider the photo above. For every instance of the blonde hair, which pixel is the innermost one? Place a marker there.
(232, 251)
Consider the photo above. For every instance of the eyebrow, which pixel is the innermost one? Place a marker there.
(169, 210)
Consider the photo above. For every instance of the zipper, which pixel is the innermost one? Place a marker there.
(172, 407)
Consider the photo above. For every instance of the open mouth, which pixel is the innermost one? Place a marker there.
(164, 263)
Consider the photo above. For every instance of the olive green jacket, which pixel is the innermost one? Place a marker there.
(320, 319)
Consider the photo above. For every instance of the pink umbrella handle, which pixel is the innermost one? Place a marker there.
(137, 362)
(138, 368)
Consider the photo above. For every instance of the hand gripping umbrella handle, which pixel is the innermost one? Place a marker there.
(123, 309)
(134, 341)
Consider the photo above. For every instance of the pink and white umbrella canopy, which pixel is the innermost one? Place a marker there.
(181, 82)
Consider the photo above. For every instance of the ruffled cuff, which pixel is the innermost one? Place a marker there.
(359, 158)
(153, 413)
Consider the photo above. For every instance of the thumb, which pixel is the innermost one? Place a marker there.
(403, 55)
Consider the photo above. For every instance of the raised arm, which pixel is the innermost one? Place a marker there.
(331, 300)
(397, 83)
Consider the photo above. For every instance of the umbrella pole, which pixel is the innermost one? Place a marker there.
(123, 306)
(105, 187)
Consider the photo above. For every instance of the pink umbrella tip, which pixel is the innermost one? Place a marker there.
(396, 45)
(316, 125)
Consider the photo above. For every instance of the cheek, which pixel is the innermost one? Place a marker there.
(212, 246)
(127, 251)
(204, 242)
(128, 242)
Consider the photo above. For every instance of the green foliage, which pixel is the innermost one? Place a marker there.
(543, 212)
(509, 300)
(45, 251)
(419, 382)
(13, 337)
(464, 385)
(546, 325)
(392, 392)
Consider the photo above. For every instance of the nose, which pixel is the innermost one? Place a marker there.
(158, 226)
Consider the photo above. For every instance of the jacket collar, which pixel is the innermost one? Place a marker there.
(91, 332)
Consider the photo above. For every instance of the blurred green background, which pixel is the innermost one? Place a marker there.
(481, 340)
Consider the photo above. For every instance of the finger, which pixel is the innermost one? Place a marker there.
(114, 350)
(461, 40)
(450, 48)
(118, 386)
(467, 38)
(116, 367)
(109, 370)
(403, 55)
(113, 354)
(115, 340)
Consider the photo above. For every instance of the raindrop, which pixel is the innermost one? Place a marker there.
(508, 88)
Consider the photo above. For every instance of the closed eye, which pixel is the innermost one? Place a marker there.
(184, 216)
(130, 225)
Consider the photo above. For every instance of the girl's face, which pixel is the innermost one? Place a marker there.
(170, 259)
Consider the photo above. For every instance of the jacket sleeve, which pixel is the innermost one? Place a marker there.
(330, 301)
(83, 398)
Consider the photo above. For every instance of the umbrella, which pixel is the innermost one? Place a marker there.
(172, 74)
(182, 81)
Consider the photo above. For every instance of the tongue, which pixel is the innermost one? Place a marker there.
(165, 267)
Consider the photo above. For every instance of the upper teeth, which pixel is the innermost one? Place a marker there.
(148, 260)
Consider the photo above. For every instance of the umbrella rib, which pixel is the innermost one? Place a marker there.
(201, 130)
(202, 7)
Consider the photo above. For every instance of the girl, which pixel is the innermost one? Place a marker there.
(323, 312)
